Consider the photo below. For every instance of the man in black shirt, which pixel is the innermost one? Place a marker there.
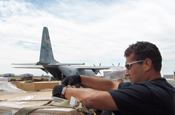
(146, 94)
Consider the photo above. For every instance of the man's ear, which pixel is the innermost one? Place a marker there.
(148, 63)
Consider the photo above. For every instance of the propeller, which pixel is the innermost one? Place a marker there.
(97, 71)
(99, 64)
(118, 64)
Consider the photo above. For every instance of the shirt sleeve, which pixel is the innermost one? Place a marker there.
(132, 99)
(122, 85)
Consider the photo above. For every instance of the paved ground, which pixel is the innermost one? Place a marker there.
(172, 82)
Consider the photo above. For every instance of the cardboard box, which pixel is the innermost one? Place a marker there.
(36, 86)
(11, 110)
(44, 85)
(26, 86)
(12, 105)
(8, 96)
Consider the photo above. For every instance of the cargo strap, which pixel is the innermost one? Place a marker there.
(78, 105)
(52, 104)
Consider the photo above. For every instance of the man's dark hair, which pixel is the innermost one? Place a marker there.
(145, 50)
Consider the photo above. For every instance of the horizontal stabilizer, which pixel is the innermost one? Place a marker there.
(42, 68)
(24, 63)
(29, 67)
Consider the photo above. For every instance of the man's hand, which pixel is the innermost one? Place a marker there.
(71, 80)
(56, 92)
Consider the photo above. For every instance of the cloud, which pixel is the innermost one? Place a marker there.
(85, 31)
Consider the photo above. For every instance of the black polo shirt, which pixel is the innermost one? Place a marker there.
(155, 97)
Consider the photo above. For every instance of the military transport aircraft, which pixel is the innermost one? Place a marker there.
(59, 70)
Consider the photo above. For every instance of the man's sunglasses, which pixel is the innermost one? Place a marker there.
(129, 65)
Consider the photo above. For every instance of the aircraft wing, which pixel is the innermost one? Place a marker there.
(94, 67)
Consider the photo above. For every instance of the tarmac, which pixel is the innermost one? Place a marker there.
(171, 81)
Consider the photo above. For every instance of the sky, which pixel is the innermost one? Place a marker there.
(84, 31)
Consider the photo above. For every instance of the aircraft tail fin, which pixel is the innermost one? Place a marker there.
(46, 54)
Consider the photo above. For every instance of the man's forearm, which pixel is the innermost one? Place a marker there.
(78, 93)
(91, 98)
(99, 83)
